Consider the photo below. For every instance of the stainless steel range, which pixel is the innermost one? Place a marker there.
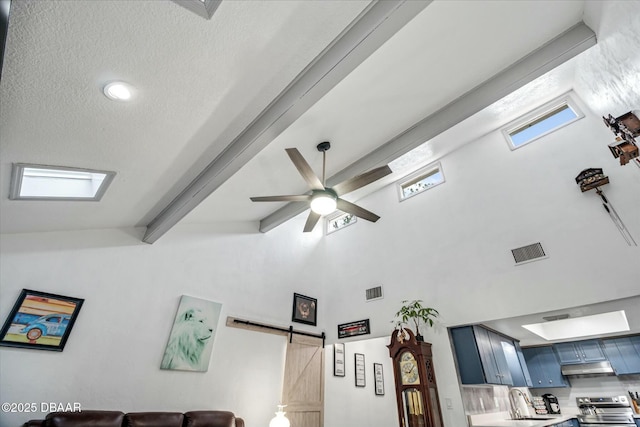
(605, 412)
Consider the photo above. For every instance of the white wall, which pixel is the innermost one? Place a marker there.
(449, 247)
(131, 293)
(348, 405)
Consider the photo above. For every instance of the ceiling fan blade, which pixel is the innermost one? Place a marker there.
(304, 169)
(356, 210)
(361, 180)
(312, 220)
(293, 198)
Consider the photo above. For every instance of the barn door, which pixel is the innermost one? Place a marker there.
(303, 389)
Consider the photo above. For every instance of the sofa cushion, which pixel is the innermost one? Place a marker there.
(85, 418)
(154, 419)
(209, 419)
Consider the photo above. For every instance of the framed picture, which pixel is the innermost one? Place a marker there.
(191, 338)
(379, 378)
(338, 359)
(352, 329)
(40, 321)
(360, 380)
(305, 309)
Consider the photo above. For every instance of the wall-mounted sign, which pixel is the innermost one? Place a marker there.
(352, 329)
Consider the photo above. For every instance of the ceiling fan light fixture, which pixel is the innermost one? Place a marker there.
(323, 202)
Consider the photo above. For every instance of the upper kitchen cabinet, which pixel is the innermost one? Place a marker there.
(544, 367)
(485, 357)
(580, 352)
(624, 354)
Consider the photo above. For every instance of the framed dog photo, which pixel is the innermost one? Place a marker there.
(41, 321)
(191, 338)
(305, 309)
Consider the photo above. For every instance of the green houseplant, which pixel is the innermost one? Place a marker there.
(413, 311)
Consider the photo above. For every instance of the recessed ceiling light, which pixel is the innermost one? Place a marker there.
(118, 91)
(577, 327)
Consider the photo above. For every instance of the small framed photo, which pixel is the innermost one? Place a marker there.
(41, 321)
(305, 309)
(360, 379)
(379, 378)
(338, 360)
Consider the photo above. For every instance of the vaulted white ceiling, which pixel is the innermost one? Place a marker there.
(202, 83)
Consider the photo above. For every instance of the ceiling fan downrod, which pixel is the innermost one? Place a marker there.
(323, 147)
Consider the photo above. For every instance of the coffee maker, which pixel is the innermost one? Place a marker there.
(551, 402)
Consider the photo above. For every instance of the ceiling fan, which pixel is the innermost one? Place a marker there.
(324, 200)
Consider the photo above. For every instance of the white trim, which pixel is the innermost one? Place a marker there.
(424, 172)
(204, 8)
(536, 114)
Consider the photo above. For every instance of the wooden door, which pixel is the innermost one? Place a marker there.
(303, 388)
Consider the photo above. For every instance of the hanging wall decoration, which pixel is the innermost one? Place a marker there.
(40, 321)
(338, 359)
(359, 370)
(191, 339)
(626, 128)
(592, 178)
(305, 310)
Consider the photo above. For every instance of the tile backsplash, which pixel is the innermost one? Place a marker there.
(605, 386)
(485, 399)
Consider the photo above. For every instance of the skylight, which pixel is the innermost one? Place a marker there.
(421, 180)
(541, 122)
(577, 327)
(38, 182)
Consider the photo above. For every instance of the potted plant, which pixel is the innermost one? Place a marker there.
(414, 311)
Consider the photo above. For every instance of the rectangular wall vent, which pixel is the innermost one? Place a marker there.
(528, 253)
(374, 293)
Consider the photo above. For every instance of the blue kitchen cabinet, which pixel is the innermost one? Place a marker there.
(480, 356)
(573, 422)
(544, 367)
(580, 352)
(515, 363)
(624, 354)
(523, 366)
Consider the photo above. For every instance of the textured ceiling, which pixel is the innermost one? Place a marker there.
(201, 82)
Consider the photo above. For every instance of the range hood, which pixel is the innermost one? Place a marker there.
(588, 369)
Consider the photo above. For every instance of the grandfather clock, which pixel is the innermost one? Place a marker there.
(416, 388)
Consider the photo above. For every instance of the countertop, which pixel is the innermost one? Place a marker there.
(502, 419)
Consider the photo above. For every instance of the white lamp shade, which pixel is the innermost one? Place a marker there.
(323, 203)
(279, 420)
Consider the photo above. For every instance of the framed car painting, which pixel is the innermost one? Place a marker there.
(39, 320)
(304, 309)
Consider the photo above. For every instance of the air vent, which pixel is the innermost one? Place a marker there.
(528, 253)
(374, 293)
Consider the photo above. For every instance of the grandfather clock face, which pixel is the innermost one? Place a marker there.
(409, 369)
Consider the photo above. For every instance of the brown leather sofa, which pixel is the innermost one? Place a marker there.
(138, 419)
